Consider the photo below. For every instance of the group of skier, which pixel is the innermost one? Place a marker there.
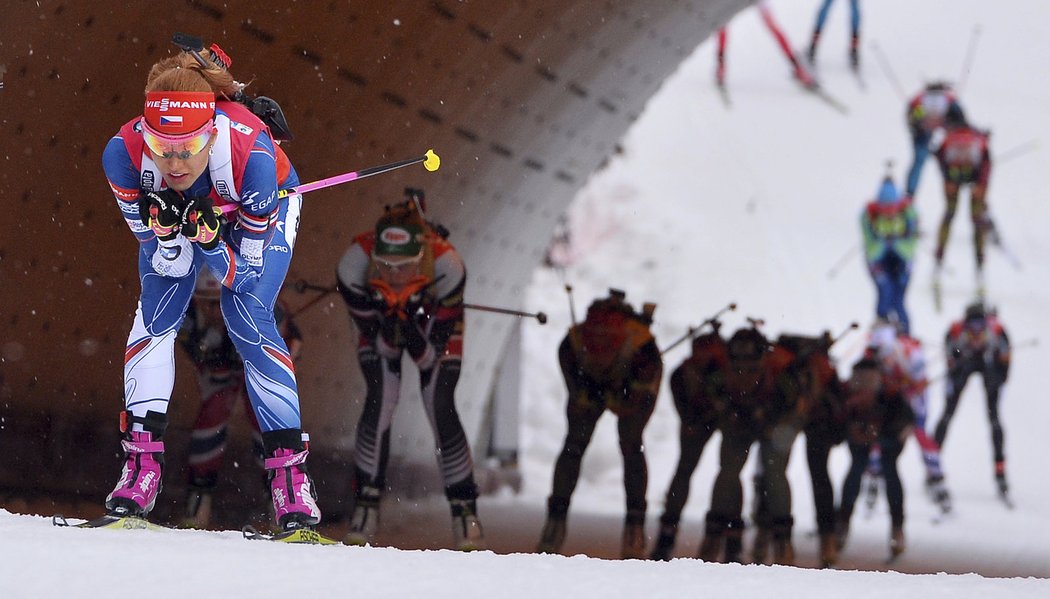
(208, 192)
(755, 390)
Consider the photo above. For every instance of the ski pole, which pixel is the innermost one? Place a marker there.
(971, 51)
(887, 70)
(713, 320)
(1017, 151)
(853, 326)
(302, 286)
(572, 305)
(539, 316)
(430, 160)
(834, 270)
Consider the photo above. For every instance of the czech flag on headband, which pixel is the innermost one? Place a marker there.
(178, 113)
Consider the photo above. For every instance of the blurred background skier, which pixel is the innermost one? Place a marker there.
(925, 115)
(609, 361)
(965, 161)
(978, 344)
(889, 225)
(698, 415)
(403, 284)
(818, 27)
(876, 413)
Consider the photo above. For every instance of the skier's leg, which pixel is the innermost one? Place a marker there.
(635, 479)
(208, 443)
(582, 414)
(979, 216)
(818, 27)
(992, 389)
(149, 376)
(691, 442)
(883, 289)
(951, 201)
(953, 391)
(851, 488)
(920, 146)
(724, 523)
(270, 376)
(720, 67)
(854, 44)
(453, 449)
(901, 277)
(372, 444)
(891, 450)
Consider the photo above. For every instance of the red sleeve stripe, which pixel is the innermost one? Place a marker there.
(123, 193)
(256, 223)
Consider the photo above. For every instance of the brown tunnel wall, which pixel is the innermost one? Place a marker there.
(521, 99)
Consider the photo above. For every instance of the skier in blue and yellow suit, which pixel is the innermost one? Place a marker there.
(890, 227)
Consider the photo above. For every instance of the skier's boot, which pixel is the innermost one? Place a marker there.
(783, 550)
(554, 529)
(466, 528)
(829, 550)
(734, 542)
(811, 52)
(841, 531)
(140, 479)
(291, 488)
(938, 492)
(664, 547)
(714, 538)
(198, 505)
(897, 545)
(364, 520)
(871, 490)
(632, 544)
(1001, 484)
(760, 545)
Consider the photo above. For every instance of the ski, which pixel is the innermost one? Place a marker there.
(723, 93)
(110, 521)
(858, 76)
(938, 293)
(820, 93)
(305, 536)
(1005, 498)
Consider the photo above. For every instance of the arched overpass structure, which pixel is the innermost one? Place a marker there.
(523, 100)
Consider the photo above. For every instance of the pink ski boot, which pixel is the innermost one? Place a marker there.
(140, 480)
(291, 489)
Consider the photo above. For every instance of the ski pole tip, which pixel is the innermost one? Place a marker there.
(432, 161)
(541, 317)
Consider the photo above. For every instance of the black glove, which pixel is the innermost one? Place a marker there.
(201, 221)
(162, 211)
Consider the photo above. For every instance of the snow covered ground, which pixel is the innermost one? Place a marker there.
(754, 205)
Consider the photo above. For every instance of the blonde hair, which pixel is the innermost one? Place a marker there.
(182, 72)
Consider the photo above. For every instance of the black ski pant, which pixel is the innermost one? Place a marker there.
(583, 415)
(818, 448)
(691, 441)
(891, 450)
(992, 385)
(372, 446)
